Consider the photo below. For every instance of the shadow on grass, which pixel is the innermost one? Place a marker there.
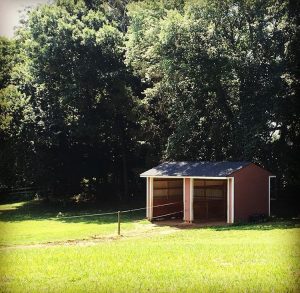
(270, 225)
(219, 226)
(38, 211)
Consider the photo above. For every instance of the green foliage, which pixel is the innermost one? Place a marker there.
(217, 73)
(15, 114)
(71, 61)
(98, 90)
(7, 51)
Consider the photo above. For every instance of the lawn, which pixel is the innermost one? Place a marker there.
(247, 258)
(31, 222)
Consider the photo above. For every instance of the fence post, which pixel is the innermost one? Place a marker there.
(119, 224)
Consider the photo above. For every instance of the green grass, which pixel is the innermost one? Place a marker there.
(31, 222)
(249, 258)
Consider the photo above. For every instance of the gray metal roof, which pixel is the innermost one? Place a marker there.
(195, 169)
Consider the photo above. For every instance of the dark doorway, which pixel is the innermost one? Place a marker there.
(210, 199)
(169, 194)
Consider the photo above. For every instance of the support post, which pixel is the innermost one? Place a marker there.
(151, 199)
(187, 198)
(147, 197)
(119, 223)
(192, 199)
(230, 200)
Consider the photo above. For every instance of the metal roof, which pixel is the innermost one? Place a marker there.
(195, 169)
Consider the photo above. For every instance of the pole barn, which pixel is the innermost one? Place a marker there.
(208, 191)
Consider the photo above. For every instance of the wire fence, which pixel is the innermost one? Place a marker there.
(119, 213)
(30, 192)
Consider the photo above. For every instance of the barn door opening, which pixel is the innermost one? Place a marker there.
(210, 199)
(167, 192)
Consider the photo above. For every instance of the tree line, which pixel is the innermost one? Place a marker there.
(93, 92)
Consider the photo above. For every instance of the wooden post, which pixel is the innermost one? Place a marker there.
(230, 200)
(187, 200)
(151, 198)
(119, 224)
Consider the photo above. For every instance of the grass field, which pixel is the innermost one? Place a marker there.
(148, 258)
(29, 223)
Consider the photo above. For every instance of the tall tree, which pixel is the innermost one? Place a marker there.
(15, 112)
(220, 81)
(217, 74)
(81, 96)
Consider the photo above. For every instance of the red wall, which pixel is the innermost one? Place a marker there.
(251, 192)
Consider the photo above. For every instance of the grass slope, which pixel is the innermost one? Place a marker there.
(260, 258)
(31, 222)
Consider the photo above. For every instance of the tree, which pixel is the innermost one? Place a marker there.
(80, 92)
(217, 74)
(14, 113)
(92, 90)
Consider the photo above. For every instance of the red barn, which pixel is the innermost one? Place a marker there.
(208, 191)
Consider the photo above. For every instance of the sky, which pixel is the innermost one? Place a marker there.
(10, 11)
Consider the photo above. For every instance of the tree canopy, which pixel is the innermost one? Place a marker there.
(92, 92)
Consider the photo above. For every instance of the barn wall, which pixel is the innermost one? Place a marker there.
(251, 192)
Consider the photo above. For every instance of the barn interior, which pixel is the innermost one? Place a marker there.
(209, 199)
(167, 198)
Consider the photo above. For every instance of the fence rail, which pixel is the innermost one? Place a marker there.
(31, 191)
(118, 213)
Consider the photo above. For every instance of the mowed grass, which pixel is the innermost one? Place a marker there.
(249, 258)
(30, 222)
